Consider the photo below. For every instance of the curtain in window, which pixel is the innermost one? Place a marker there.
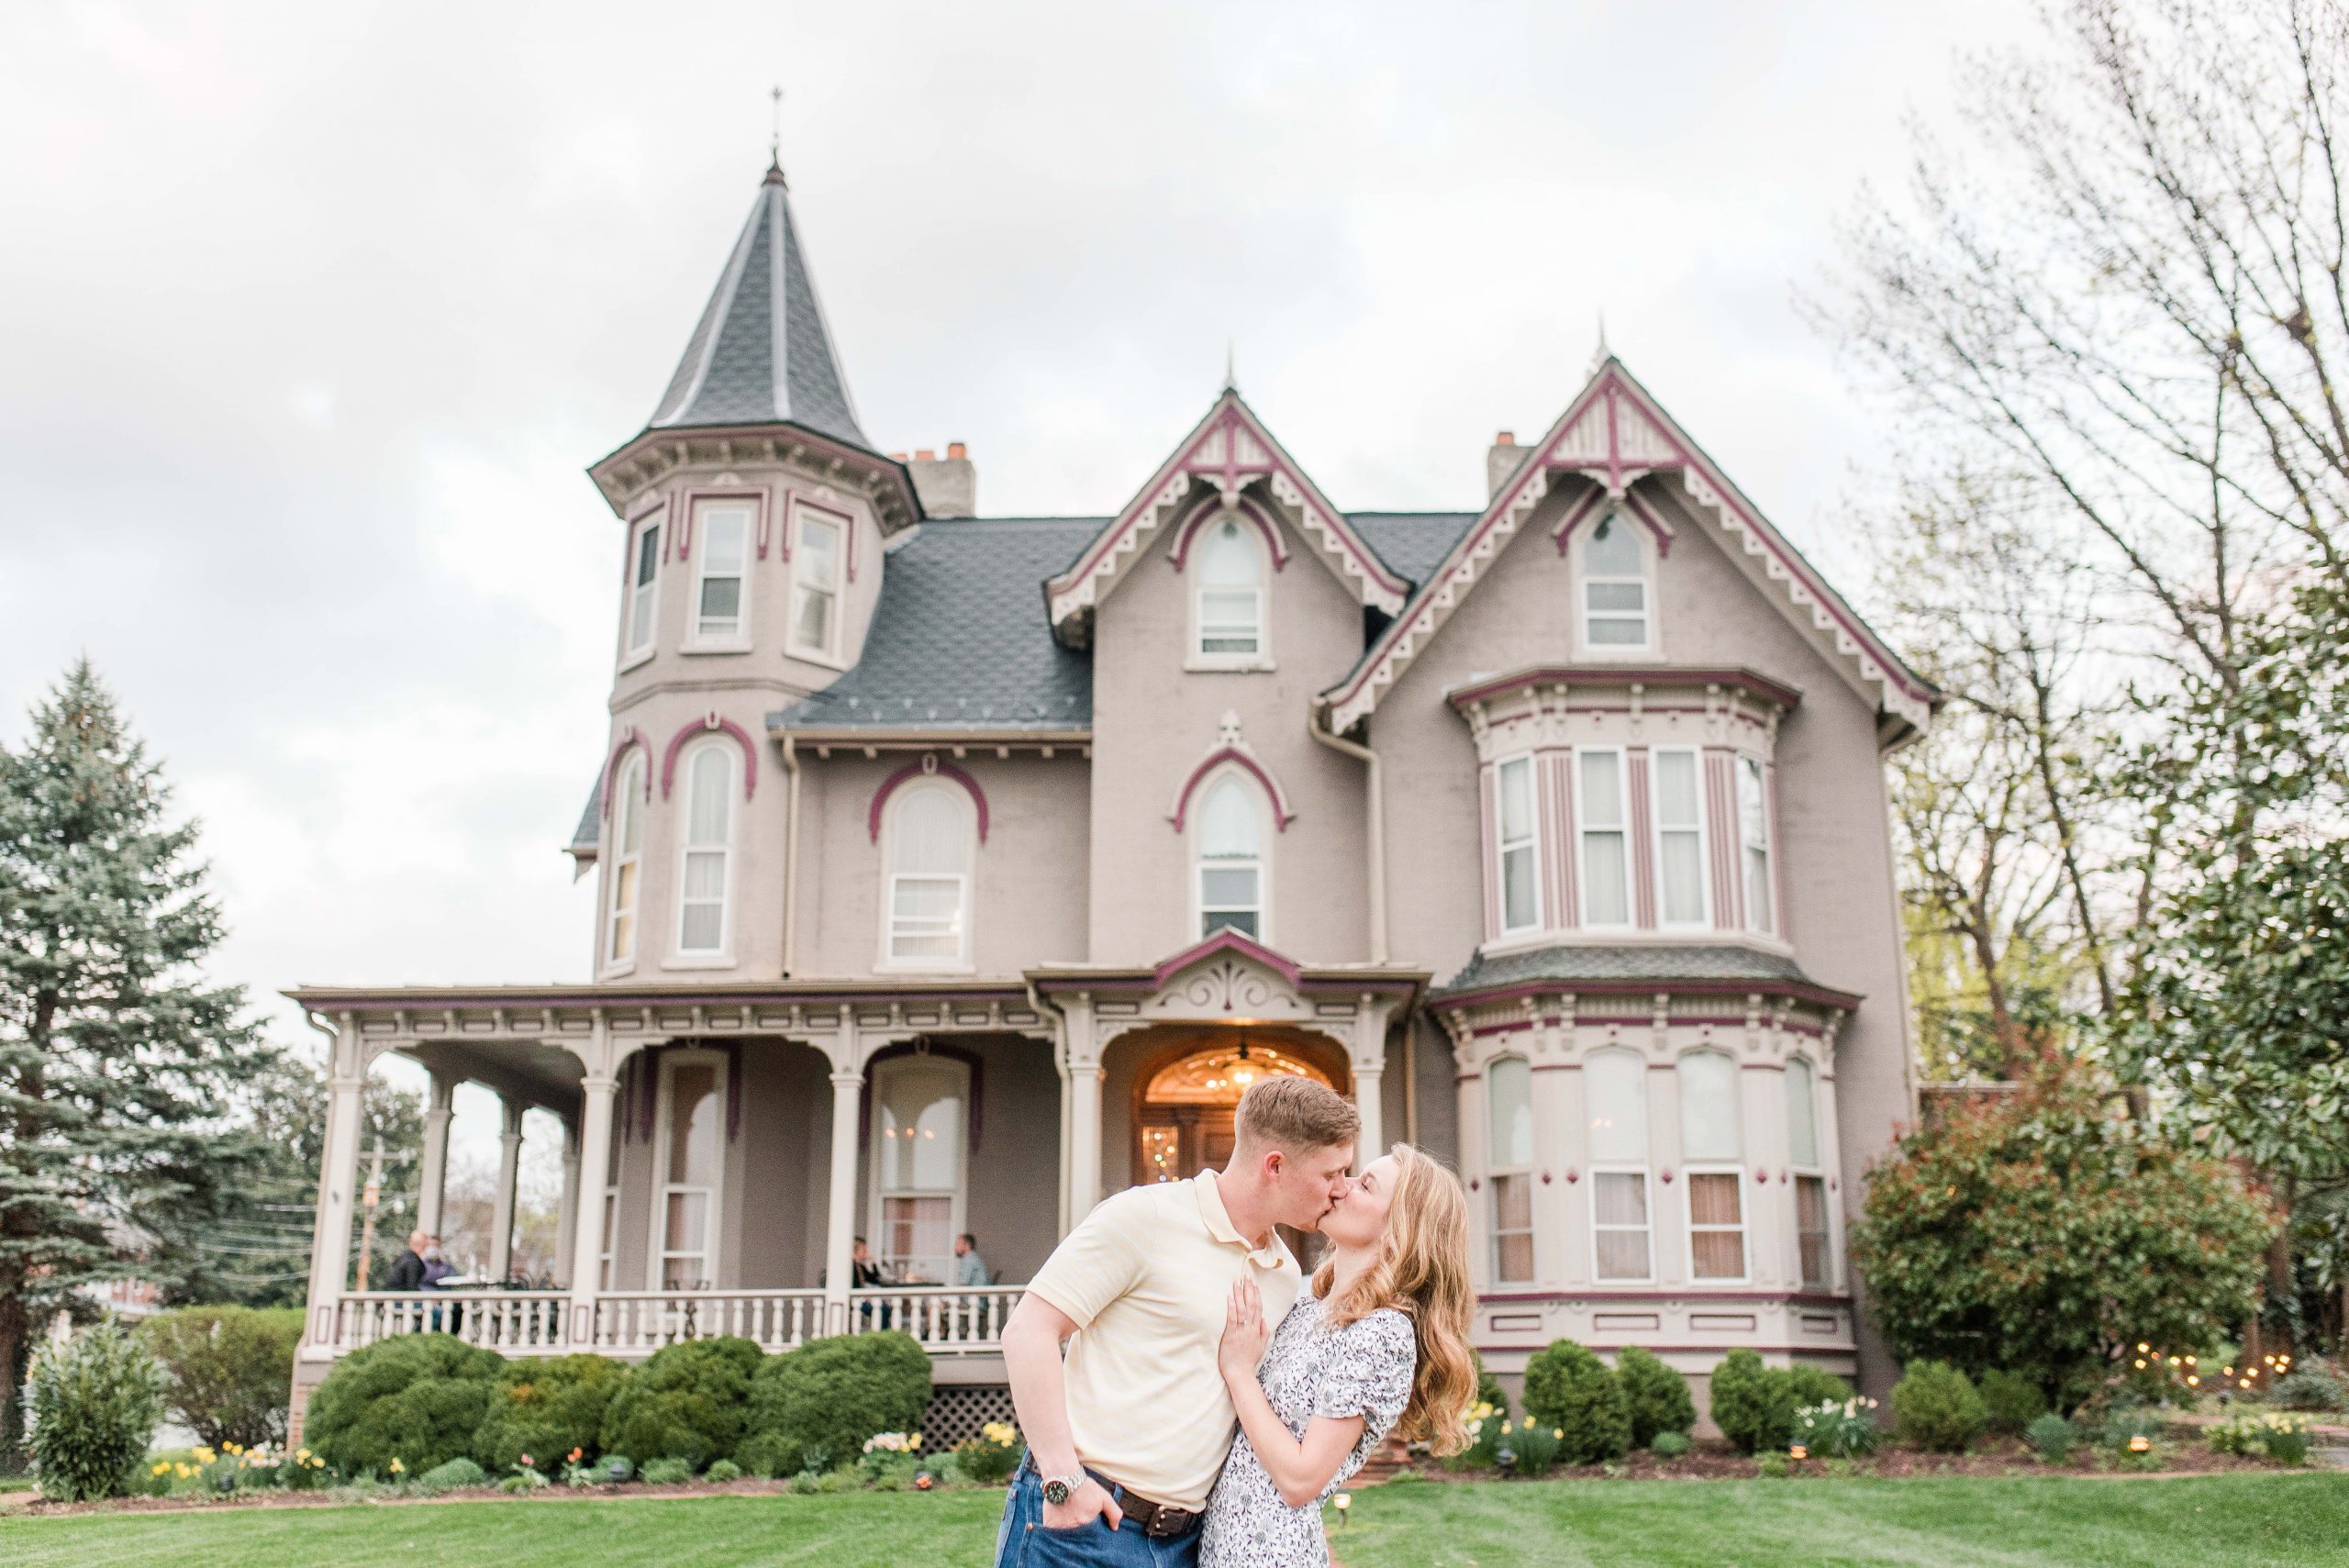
(709, 821)
(917, 1105)
(1680, 844)
(1231, 594)
(1606, 863)
(1230, 867)
(929, 873)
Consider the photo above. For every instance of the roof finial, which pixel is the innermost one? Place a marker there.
(1230, 375)
(1604, 354)
(775, 139)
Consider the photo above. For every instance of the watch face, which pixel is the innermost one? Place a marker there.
(1056, 1492)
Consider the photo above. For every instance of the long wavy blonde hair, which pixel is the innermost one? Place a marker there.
(1421, 1270)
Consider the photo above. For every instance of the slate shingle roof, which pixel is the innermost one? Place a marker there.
(1413, 543)
(761, 352)
(1585, 964)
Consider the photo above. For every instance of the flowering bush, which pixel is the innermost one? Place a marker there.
(990, 1457)
(2276, 1435)
(891, 1455)
(1533, 1448)
(95, 1401)
(523, 1475)
(1837, 1431)
(1487, 1421)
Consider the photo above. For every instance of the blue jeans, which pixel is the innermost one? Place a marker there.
(1025, 1541)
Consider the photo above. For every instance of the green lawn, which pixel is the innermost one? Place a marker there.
(2233, 1521)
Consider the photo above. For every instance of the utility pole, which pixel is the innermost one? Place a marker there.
(372, 1194)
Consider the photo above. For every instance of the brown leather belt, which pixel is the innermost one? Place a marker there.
(1157, 1520)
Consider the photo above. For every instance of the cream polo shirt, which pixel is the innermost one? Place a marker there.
(1145, 1279)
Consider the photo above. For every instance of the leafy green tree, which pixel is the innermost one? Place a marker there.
(117, 1060)
(2045, 1233)
(227, 1370)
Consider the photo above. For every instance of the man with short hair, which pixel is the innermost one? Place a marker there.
(406, 1271)
(970, 1268)
(1127, 1437)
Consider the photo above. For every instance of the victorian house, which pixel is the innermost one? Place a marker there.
(954, 870)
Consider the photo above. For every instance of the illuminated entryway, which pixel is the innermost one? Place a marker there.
(1187, 1093)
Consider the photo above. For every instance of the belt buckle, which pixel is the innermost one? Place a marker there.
(1165, 1522)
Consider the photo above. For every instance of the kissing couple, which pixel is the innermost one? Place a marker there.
(1184, 1312)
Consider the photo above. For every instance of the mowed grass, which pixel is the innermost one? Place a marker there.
(2227, 1521)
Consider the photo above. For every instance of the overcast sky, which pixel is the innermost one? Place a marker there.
(312, 315)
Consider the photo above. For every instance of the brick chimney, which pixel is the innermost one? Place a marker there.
(1501, 459)
(949, 485)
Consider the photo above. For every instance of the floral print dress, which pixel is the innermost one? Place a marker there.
(1310, 1369)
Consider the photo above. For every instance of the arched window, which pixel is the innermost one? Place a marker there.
(628, 858)
(1711, 1153)
(930, 850)
(1228, 603)
(1509, 1115)
(1616, 614)
(713, 778)
(690, 1155)
(1810, 1185)
(917, 1121)
(1228, 853)
(1615, 1092)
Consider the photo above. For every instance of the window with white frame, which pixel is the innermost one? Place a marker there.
(918, 1122)
(1508, 1114)
(1615, 587)
(816, 560)
(1811, 1239)
(1710, 1153)
(713, 774)
(1615, 1094)
(1754, 837)
(1513, 814)
(689, 1156)
(1228, 603)
(643, 588)
(611, 1233)
(1605, 839)
(628, 857)
(1679, 836)
(1229, 859)
(721, 609)
(929, 834)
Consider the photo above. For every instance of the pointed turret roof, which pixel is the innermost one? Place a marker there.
(761, 353)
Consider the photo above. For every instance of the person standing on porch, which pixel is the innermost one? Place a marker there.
(1127, 1436)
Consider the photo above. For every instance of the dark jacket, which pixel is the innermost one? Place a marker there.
(406, 1271)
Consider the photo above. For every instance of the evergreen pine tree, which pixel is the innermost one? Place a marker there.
(117, 1060)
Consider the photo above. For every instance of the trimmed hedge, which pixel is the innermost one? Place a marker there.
(417, 1397)
(688, 1402)
(1571, 1390)
(1654, 1394)
(1935, 1406)
(813, 1407)
(1753, 1405)
(546, 1409)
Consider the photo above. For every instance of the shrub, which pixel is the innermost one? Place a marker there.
(1811, 1387)
(1773, 1465)
(2051, 1437)
(448, 1477)
(417, 1398)
(991, 1457)
(228, 1369)
(2308, 1390)
(1654, 1394)
(1936, 1407)
(1955, 1245)
(1753, 1405)
(815, 1406)
(2126, 1422)
(2011, 1401)
(666, 1472)
(1535, 1448)
(1568, 1388)
(95, 1401)
(2273, 1434)
(547, 1409)
(616, 1468)
(723, 1471)
(1488, 1388)
(1669, 1444)
(1484, 1424)
(1834, 1431)
(688, 1402)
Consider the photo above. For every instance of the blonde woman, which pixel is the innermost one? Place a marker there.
(1379, 1343)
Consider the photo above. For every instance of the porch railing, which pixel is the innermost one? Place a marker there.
(632, 1321)
(945, 1319)
(509, 1320)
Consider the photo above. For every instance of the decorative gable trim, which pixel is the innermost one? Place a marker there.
(1615, 434)
(1230, 452)
(1209, 508)
(710, 724)
(1230, 749)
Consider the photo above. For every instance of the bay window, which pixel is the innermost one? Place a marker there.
(815, 562)
(1712, 1159)
(628, 858)
(1508, 1113)
(1679, 836)
(1754, 837)
(720, 611)
(1517, 868)
(1615, 1093)
(1812, 1243)
(643, 584)
(1606, 840)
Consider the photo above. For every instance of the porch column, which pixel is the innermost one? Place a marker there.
(596, 1092)
(1080, 1063)
(566, 1223)
(1366, 1056)
(337, 1183)
(432, 1171)
(509, 1171)
(840, 1235)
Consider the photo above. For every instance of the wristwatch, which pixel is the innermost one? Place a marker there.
(1059, 1489)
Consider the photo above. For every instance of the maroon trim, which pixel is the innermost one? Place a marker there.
(323, 999)
(1743, 679)
(1696, 1297)
(703, 727)
(799, 504)
(1818, 996)
(1641, 508)
(634, 737)
(969, 1059)
(1282, 815)
(1209, 506)
(930, 765)
(1228, 940)
(1638, 509)
(1584, 504)
(760, 497)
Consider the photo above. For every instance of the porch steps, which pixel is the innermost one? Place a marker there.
(1385, 1462)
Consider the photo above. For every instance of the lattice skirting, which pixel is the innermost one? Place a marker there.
(957, 1411)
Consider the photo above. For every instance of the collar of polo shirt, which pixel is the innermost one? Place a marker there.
(1220, 1225)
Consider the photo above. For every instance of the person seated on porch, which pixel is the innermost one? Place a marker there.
(970, 1268)
(406, 1271)
(438, 1271)
(865, 1275)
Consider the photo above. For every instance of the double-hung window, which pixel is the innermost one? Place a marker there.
(1605, 839)
(815, 562)
(1520, 886)
(689, 1157)
(929, 876)
(1614, 587)
(1679, 836)
(917, 1124)
(1811, 1239)
(1509, 1109)
(643, 588)
(721, 592)
(628, 858)
(1230, 860)
(1710, 1149)
(1615, 1092)
(1753, 839)
(1229, 612)
(712, 779)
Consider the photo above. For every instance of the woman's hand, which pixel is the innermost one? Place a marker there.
(1243, 1334)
